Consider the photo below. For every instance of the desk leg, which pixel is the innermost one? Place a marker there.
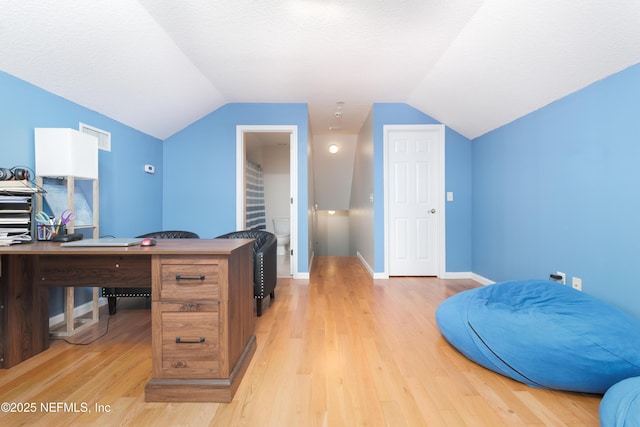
(24, 310)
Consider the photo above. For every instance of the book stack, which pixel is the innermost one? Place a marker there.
(16, 209)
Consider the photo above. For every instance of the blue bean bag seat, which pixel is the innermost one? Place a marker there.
(620, 406)
(543, 334)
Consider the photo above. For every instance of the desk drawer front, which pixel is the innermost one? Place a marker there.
(94, 270)
(190, 281)
(190, 345)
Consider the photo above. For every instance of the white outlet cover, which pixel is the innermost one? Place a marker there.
(564, 277)
(576, 283)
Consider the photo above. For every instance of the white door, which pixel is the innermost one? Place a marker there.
(415, 200)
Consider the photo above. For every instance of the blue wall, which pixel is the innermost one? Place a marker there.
(457, 180)
(558, 190)
(130, 200)
(200, 170)
(554, 190)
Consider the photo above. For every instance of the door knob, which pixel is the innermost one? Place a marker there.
(433, 210)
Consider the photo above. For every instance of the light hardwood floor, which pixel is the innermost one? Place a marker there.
(337, 350)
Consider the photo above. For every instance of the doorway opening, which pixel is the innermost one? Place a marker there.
(266, 191)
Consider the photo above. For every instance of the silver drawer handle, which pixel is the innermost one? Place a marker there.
(192, 341)
(180, 277)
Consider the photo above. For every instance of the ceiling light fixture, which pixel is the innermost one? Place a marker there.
(333, 148)
(338, 117)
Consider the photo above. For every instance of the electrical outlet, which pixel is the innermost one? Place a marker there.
(576, 283)
(564, 277)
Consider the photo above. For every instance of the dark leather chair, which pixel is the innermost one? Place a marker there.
(265, 263)
(112, 293)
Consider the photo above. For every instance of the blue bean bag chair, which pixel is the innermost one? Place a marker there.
(543, 334)
(620, 406)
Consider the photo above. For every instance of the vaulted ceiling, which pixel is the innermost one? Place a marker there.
(159, 65)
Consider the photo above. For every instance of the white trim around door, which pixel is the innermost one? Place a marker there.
(293, 171)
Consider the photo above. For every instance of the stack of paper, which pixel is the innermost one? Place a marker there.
(15, 211)
(6, 239)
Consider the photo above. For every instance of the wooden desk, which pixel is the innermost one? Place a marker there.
(202, 307)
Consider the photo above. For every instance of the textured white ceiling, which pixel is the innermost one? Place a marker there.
(514, 57)
(159, 65)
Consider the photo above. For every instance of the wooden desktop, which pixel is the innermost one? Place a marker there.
(202, 306)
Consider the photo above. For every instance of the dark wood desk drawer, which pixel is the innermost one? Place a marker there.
(94, 270)
(190, 344)
(190, 281)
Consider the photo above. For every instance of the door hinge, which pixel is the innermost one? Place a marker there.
(291, 252)
(292, 200)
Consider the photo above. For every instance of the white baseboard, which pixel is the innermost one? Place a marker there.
(305, 276)
(482, 280)
(446, 275)
(457, 275)
(364, 263)
(370, 269)
(467, 275)
(383, 276)
(77, 312)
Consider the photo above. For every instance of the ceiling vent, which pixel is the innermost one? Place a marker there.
(104, 137)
